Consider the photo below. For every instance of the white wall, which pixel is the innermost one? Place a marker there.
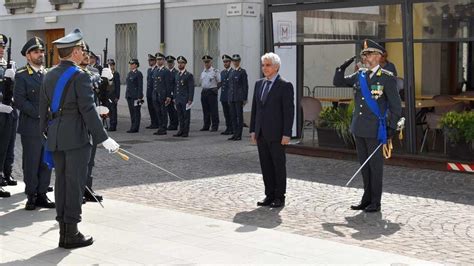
(97, 19)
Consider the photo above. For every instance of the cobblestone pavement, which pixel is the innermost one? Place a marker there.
(425, 214)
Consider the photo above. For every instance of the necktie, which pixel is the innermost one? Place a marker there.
(265, 90)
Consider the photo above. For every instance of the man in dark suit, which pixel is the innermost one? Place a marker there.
(114, 96)
(149, 92)
(71, 124)
(134, 95)
(271, 125)
(28, 81)
(376, 114)
(183, 97)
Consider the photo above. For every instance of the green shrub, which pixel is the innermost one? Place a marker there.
(459, 127)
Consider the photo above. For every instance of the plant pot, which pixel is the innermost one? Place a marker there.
(328, 137)
(462, 151)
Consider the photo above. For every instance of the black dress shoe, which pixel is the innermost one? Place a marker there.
(73, 238)
(204, 129)
(277, 203)
(213, 129)
(10, 180)
(231, 138)
(372, 208)
(160, 132)
(237, 138)
(44, 202)
(172, 128)
(50, 189)
(178, 134)
(185, 135)
(132, 131)
(359, 207)
(112, 129)
(3, 182)
(151, 127)
(265, 202)
(4, 194)
(30, 203)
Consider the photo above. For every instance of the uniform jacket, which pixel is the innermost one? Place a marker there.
(173, 73)
(238, 86)
(364, 122)
(134, 85)
(27, 94)
(184, 91)
(79, 119)
(225, 76)
(162, 83)
(149, 82)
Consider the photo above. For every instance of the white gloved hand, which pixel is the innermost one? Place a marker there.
(110, 145)
(5, 108)
(107, 73)
(10, 73)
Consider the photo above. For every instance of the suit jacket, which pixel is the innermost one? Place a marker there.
(364, 122)
(26, 94)
(79, 119)
(134, 85)
(161, 83)
(273, 118)
(238, 86)
(184, 91)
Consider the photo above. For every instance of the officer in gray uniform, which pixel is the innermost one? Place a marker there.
(134, 94)
(149, 92)
(210, 82)
(224, 98)
(375, 117)
(161, 77)
(71, 124)
(8, 119)
(172, 113)
(184, 96)
(238, 93)
(28, 81)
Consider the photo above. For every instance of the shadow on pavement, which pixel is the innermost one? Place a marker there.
(261, 217)
(369, 226)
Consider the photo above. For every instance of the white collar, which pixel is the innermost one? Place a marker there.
(36, 69)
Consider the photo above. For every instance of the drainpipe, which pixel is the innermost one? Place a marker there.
(162, 26)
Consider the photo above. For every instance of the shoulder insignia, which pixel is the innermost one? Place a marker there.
(30, 70)
(384, 71)
(353, 74)
(21, 69)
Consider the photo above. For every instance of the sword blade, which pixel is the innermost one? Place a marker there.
(90, 192)
(153, 164)
(362, 166)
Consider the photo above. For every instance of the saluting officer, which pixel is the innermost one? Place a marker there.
(184, 96)
(210, 82)
(8, 120)
(375, 117)
(28, 79)
(149, 92)
(161, 93)
(224, 98)
(114, 96)
(172, 113)
(238, 93)
(69, 120)
(134, 94)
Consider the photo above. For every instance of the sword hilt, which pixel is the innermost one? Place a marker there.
(123, 156)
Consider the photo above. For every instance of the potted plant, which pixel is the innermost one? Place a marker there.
(334, 125)
(459, 130)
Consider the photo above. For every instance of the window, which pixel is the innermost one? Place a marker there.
(125, 47)
(206, 41)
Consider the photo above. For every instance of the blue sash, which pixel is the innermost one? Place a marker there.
(374, 107)
(57, 95)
